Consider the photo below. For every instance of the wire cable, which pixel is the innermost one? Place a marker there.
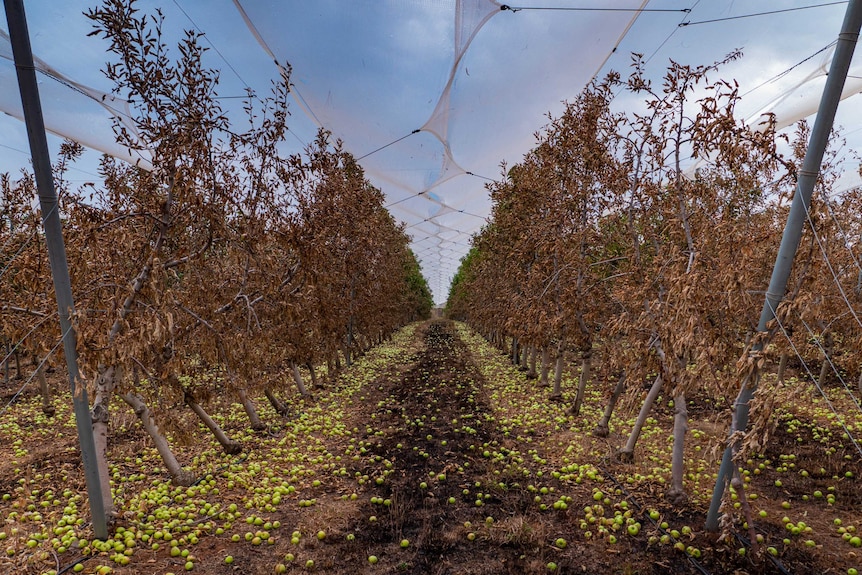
(827, 202)
(18, 253)
(34, 328)
(831, 269)
(466, 213)
(481, 177)
(14, 149)
(217, 51)
(658, 48)
(669, 36)
(30, 239)
(829, 361)
(232, 68)
(816, 383)
(393, 142)
(39, 367)
(506, 7)
(790, 69)
(763, 13)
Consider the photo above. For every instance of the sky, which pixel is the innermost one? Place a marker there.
(477, 83)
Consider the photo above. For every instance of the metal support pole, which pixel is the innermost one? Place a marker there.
(807, 178)
(22, 53)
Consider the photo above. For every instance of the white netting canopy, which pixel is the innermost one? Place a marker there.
(464, 73)
(432, 95)
(71, 109)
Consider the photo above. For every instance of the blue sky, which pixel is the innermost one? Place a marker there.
(373, 70)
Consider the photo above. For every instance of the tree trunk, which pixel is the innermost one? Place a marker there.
(546, 366)
(105, 384)
(297, 377)
(586, 362)
(627, 453)
(677, 495)
(558, 372)
(18, 374)
(514, 352)
(603, 428)
(531, 374)
(827, 352)
(525, 349)
(6, 364)
(178, 475)
(47, 407)
(278, 405)
(230, 446)
(345, 349)
(314, 380)
(248, 406)
(782, 367)
(348, 344)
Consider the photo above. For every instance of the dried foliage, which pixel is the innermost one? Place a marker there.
(649, 236)
(223, 266)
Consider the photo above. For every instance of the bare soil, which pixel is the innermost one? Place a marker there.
(435, 470)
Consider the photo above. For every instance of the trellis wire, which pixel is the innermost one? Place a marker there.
(26, 243)
(34, 328)
(825, 199)
(829, 265)
(816, 383)
(29, 379)
(832, 365)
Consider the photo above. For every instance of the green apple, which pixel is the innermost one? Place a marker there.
(561, 543)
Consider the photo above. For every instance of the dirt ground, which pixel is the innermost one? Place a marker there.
(418, 475)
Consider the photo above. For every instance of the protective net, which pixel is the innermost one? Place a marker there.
(806, 81)
(442, 75)
(71, 110)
